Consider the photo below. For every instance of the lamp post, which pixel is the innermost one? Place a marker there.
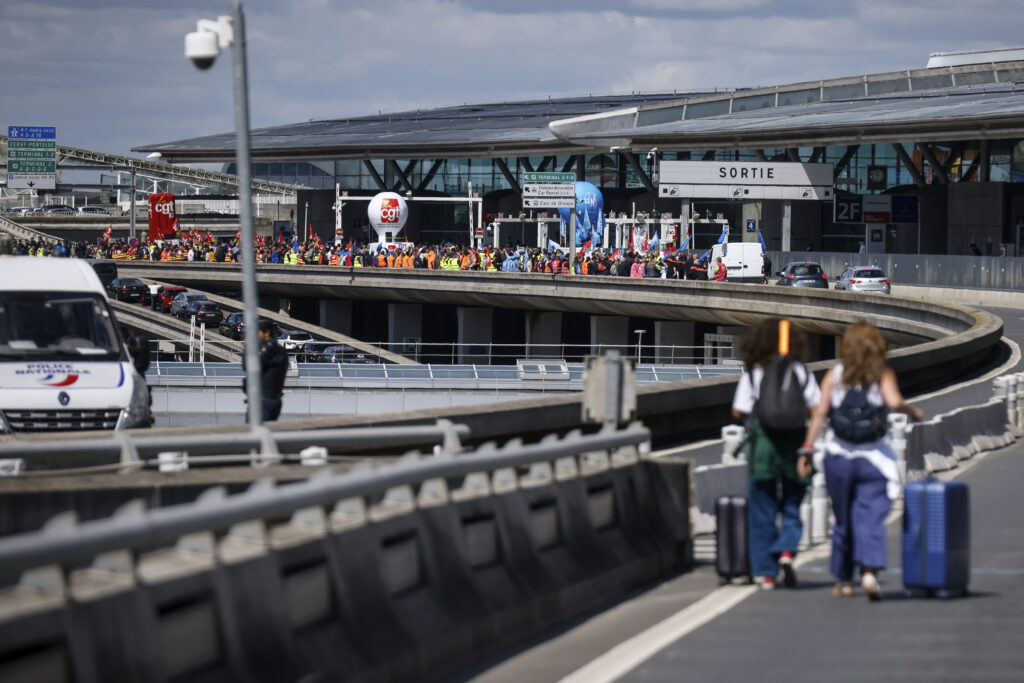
(305, 225)
(202, 47)
(639, 344)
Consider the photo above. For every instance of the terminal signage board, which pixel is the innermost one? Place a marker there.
(32, 157)
(548, 177)
(883, 208)
(549, 202)
(745, 180)
(549, 190)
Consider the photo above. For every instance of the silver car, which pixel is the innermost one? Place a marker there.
(179, 302)
(864, 279)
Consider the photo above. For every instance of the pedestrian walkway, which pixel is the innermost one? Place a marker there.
(806, 634)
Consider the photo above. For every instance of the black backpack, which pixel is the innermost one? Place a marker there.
(856, 420)
(781, 406)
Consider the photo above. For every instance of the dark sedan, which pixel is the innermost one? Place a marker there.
(233, 326)
(205, 312)
(803, 274)
(128, 289)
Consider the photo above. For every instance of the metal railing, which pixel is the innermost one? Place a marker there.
(132, 529)
(138, 449)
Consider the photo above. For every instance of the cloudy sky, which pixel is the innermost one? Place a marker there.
(111, 74)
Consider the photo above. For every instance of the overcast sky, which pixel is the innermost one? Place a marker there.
(111, 74)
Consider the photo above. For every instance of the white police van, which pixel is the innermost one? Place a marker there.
(63, 363)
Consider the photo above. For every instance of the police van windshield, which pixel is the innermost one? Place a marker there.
(56, 325)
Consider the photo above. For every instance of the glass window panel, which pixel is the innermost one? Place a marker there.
(888, 87)
(292, 169)
(793, 97)
(274, 169)
(704, 109)
(975, 78)
(1010, 75)
(364, 371)
(932, 82)
(653, 117)
(844, 92)
(753, 102)
(408, 372)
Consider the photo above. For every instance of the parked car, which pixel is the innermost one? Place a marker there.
(204, 310)
(294, 340)
(331, 352)
(803, 274)
(864, 279)
(106, 271)
(233, 326)
(128, 289)
(165, 294)
(61, 211)
(182, 298)
(94, 211)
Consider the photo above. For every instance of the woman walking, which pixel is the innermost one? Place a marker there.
(778, 473)
(861, 473)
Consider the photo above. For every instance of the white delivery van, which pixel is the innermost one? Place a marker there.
(744, 261)
(63, 363)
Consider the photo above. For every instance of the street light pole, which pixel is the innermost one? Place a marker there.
(250, 296)
(305, 225)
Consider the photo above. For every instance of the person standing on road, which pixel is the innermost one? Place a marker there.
(273, 366)
(860, 470)
(719, 271)
(778, 473)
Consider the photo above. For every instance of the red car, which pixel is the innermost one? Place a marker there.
(165, 294)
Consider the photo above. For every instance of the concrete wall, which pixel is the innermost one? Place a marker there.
(411, 586)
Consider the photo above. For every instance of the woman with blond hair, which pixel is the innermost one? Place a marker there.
(861, 473)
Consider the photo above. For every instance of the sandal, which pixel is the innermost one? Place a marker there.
(842, 590)
(870, 585)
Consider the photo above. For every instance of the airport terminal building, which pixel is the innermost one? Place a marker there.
(950, 134)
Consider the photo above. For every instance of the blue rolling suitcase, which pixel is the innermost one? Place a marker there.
(936, 537)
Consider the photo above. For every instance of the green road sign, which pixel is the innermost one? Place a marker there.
(46, 154)
(548, 177)
(31, 166)
(32, 144)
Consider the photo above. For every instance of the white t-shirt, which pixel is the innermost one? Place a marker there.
(749, 386)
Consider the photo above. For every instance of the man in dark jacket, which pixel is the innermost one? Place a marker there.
(273, 367)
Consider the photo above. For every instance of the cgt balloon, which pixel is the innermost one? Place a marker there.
(388, 213)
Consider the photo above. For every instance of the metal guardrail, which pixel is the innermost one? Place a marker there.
(23, 232)
(132, 448)
(65, 543)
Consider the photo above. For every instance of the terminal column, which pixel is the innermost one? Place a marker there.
(475, 334)
(543, 334)
(609, 331)
(336, 315)
(673, 333)
(405, 326)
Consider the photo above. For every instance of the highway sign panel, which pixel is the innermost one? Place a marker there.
(32, 157)
(549, 202)
(883, 208)
(548, 177)
(549, 190)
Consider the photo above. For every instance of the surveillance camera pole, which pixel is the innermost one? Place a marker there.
(250, 297)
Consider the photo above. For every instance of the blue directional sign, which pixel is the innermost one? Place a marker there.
(848, 208)
(32, 132)
(751, 225)
(905, 209)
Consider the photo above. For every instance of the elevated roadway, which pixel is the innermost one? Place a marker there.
(286, 322)
(163, 327)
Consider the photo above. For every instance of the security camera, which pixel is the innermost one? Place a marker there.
(204, 44)
(201, 47)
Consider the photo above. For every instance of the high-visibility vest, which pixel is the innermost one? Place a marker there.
(391, 259)
(335, 260)
(431, 257)
(720, 271)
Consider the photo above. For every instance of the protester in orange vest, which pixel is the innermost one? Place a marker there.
(335, 259)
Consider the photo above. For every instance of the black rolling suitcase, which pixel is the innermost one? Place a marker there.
(732, 557)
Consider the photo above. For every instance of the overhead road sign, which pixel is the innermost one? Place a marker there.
(880, 208)
(32, 157)
(745, 180)
(549, 202)
(548, 177)
(549, 190)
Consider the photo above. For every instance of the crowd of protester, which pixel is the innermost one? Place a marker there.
(622, 262)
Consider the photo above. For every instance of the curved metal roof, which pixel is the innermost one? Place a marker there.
(954, 102)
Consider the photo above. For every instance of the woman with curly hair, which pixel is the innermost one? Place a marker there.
(860, 465)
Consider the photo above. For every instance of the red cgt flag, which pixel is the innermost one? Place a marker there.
(163, 220)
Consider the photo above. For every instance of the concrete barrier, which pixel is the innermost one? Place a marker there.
(416, 580)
